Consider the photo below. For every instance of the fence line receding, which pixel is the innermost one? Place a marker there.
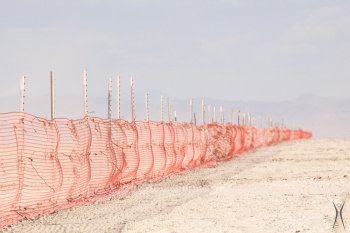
(48, 165)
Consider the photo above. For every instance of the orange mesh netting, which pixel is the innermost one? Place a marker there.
(48, 165)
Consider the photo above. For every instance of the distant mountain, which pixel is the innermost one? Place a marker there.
(325, 117)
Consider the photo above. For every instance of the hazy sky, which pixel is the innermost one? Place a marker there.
(224, 49)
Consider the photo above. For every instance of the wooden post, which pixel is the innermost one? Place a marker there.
(191, 110)
(161, 109)
(52, 90)
(203, 113)
(109, 110)
(118, 97)
(221, 116)
(22, 91)
(147, 107)
(169, 112)
(209, 114)
(214, 115)
(85, 86)
(232, 117)
(19, 132)
(238, 117)
(175, 117)
(132, 93)
(248, 119)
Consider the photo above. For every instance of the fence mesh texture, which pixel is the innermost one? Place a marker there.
(48, 165)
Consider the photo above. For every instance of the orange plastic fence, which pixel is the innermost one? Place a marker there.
(48, 165)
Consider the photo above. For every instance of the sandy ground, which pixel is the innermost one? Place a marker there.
(286, 188)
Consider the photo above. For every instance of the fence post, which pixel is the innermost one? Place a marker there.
(248, 119)
(203, 113)
(238, 117)
(147, 107)
(209, 114)
(85, 86)
(221, 116)
(132, 95)
(214, 114)
(175, 115)
(232, 120)
(161, 109)
(191, 110)
(52, 92)
(118, 97)
(109, 110)
(168, 105)
(19, 131)
(22, 91)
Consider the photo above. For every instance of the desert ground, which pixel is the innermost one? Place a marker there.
(289, 187)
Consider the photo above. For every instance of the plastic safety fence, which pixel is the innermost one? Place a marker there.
(48, 165)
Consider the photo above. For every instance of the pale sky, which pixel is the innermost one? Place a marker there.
(224, 49)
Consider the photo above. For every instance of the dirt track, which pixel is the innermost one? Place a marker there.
(285, 188)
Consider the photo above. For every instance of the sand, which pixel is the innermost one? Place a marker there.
(285, 188)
